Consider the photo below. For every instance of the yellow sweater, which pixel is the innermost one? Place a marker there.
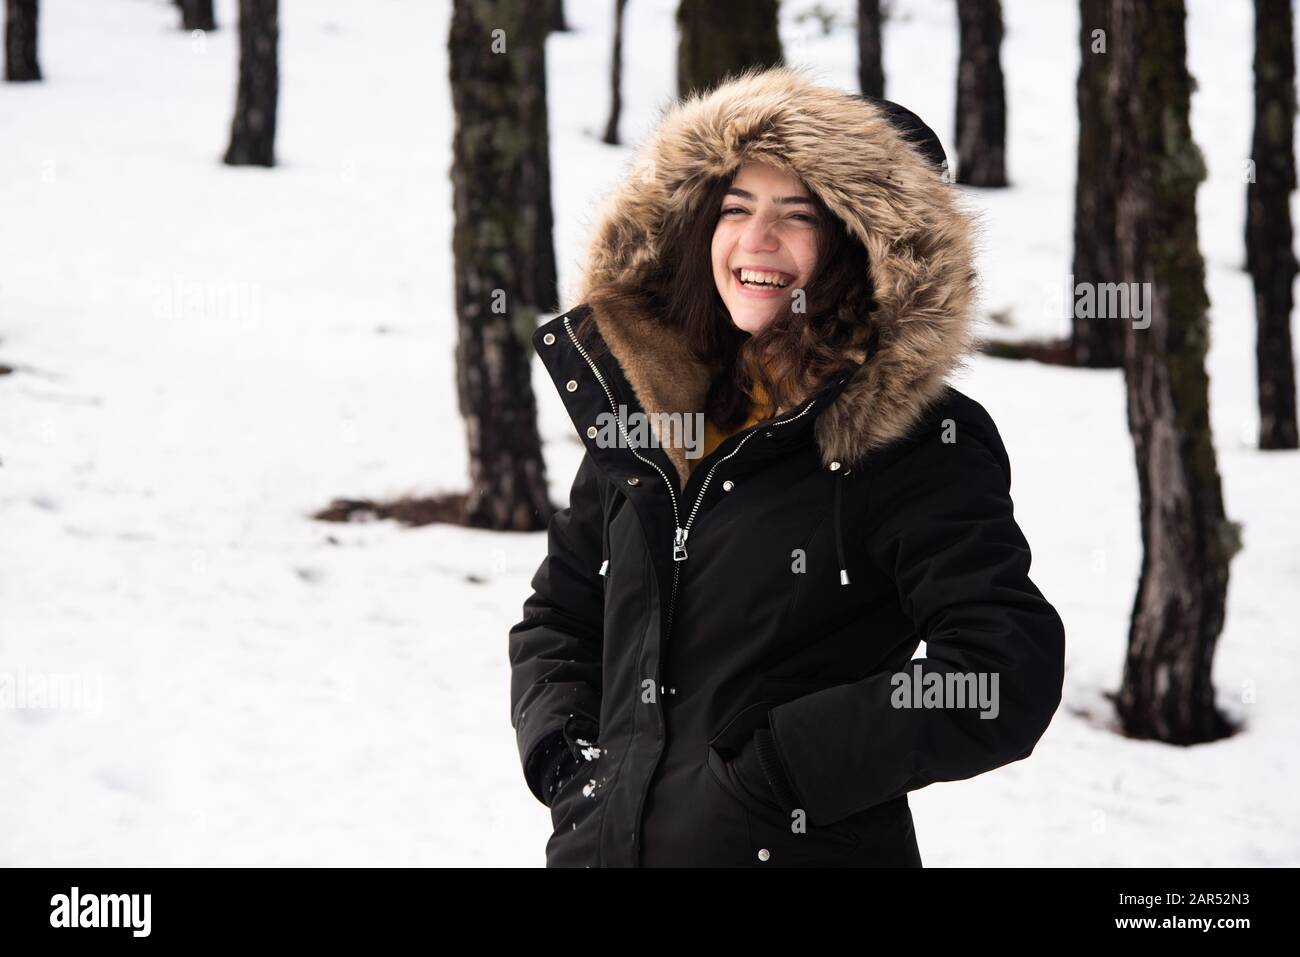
(714, 436)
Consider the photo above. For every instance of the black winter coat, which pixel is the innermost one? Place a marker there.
(720, 660)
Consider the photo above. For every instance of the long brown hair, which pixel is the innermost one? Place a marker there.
(791, 356)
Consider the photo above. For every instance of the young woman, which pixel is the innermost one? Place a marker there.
(715, 665)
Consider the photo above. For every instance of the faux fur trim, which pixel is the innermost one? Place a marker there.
(919, 243)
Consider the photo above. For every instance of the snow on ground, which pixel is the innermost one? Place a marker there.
(208, 355)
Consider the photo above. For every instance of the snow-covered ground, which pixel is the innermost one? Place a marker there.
(207, 355)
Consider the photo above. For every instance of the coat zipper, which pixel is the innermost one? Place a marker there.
(679, 545)
(681, 531)
(679, 537)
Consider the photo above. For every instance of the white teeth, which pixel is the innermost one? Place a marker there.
(753, 276)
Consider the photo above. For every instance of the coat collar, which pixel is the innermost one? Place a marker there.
(845, 148)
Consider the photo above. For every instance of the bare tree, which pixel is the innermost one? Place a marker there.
(20, 41)
(252, 133)
(497, 67)
(1187, 542)
(558, 23)
(541, 284)
(1269, 255)
(615, 77)
(1096, 340)
(981, 100)
(718, 38)
(197, 15)
(871, 56)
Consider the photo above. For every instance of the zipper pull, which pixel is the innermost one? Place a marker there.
(679, 545)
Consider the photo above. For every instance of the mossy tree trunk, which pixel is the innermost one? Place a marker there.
(1187, 542)
(497, 86)
(1269, 254)
(719, 38)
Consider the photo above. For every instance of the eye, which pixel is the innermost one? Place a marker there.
(732, 209)
(805, 217)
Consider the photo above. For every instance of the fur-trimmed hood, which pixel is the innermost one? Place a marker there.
(852, 152)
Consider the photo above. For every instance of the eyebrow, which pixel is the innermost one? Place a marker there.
(785, 200)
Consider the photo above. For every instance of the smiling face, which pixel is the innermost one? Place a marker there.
(765, 244)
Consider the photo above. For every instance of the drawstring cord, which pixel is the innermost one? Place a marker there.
(604, 540)
(839, 539)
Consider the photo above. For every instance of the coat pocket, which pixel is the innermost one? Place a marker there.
(774, 840)
(883, 834)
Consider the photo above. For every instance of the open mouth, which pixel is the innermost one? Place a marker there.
(762, 278)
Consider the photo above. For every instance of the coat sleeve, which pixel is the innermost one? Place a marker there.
(556, 648)
(942, 530)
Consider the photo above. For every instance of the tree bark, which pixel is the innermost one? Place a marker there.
(1187, 542)
(197, 15)
(496, 163)
(871, 57)
(720, 38)
(1098, 340)
(21, 65)
(615, 77)
(252, 133)
(981, 100)
(1269, 255)
(540, 275)
(558, 23)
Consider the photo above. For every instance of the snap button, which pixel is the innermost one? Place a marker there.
(591, 431)
(768, 433)
(834, 466)
(764, 854)
(633, 481)
(572, 385)
(728, 485)
(549, 338)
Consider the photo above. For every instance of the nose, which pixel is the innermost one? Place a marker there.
(757, 236)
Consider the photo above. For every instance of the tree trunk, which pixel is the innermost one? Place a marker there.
(558, 24)
(981, 102)
(615, 77)
(197, 15)
(541, 282)
(1269, 256)
(1187, 543)
(496, 165)
(1096, 340)
(20, 41)
(720, 38)
(252, 134)
(871, 57)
